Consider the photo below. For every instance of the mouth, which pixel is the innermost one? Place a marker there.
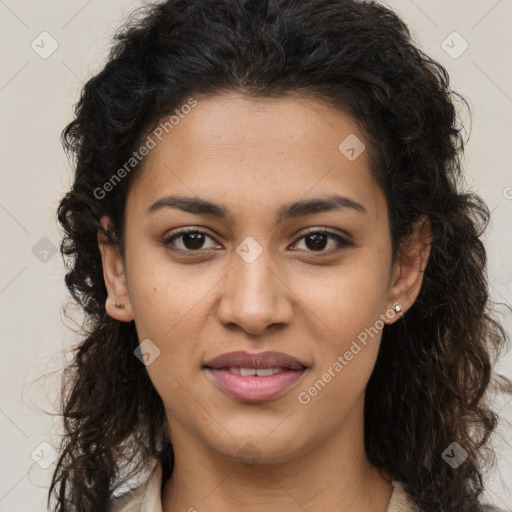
(255, 377)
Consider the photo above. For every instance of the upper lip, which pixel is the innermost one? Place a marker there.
(242, 359)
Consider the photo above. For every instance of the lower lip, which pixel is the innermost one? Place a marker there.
(255, 389)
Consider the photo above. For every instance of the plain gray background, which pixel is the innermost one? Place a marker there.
(38, 89)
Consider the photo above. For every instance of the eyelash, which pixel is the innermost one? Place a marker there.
(343, 243)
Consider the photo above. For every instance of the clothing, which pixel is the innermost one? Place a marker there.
(147, 498)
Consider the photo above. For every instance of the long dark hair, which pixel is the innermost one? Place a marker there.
(428, 388)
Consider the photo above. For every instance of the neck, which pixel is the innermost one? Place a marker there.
(333, 475)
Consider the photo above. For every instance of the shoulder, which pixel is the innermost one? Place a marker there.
(146, 497)
(399, 500)
(130, 501)
(401, 503)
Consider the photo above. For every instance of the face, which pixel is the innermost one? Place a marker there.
(294, 258)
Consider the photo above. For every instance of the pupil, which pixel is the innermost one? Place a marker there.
(197, 241)
(317, 243)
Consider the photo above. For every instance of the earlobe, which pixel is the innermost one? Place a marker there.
(409, 270)
(117, 304)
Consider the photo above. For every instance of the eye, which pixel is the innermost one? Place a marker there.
(192, 241)
(316, 241)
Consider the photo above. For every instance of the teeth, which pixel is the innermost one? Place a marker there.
(265, 372)
(260, 372)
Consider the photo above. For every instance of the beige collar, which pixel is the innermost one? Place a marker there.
(147, 498)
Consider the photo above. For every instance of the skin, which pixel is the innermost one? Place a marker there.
(254, 157)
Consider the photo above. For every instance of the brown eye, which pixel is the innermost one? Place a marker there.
(192, 240)
(316, 241)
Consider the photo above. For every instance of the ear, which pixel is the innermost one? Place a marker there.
(408, 270)
(115, 278)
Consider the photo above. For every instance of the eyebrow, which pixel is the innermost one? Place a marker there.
(288, 211)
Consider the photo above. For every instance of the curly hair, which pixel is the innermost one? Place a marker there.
(429, 387)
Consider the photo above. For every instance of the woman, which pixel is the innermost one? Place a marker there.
(283, 278)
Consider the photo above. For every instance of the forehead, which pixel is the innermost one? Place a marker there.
(258, 153)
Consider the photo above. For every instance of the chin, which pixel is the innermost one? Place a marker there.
(258, 448)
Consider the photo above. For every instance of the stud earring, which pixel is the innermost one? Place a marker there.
(397, 308)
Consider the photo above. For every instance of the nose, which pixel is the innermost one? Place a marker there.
(254, 296)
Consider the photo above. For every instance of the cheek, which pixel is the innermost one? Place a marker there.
(162, 294)
(349, 297)
(170, 305)
(348, 305)
(345, 354)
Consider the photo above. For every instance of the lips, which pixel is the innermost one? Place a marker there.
(255, 377)
(263, 360)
